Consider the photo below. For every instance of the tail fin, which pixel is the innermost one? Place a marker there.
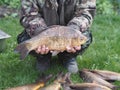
(22, 50)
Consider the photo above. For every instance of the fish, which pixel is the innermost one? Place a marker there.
(69, 85)
(41, 84)
(66, 85)
(28, 87)
(34, 86)
(91, 78)
(54, 86)
(57, 83)
(88, 86)
(56, 38)
(107, 75)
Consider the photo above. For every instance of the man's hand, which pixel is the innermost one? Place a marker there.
(42, 50)
(73, 49)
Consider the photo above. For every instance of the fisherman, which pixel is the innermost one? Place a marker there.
(38, 15)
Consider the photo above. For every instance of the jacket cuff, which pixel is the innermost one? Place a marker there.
(80, 22)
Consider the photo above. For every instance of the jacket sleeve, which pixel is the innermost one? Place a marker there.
(30, 19)
(84, 14)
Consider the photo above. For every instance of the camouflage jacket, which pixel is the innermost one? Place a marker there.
(37, 15)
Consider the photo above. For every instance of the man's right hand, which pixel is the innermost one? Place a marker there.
(42, 50)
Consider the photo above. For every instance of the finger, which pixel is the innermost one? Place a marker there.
(77, 47)
(68, 48)
(73, 50)
(46, 50)
(43, 49)
(38, 50)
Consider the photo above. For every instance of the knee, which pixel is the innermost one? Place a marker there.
(22, 37)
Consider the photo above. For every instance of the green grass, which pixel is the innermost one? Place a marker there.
(103, 53)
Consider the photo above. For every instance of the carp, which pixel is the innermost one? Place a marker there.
(41, 84)
(69, 85)
(56, 38)
(91, 78)
(57, 83)
(34, 86)
(107, 75)
(66, 85)
(88, 86)
(28, 87)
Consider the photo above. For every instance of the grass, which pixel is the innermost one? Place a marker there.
(103, 53)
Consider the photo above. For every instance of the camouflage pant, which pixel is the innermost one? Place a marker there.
(24, 36)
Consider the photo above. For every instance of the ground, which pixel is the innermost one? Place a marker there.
(102, 54)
